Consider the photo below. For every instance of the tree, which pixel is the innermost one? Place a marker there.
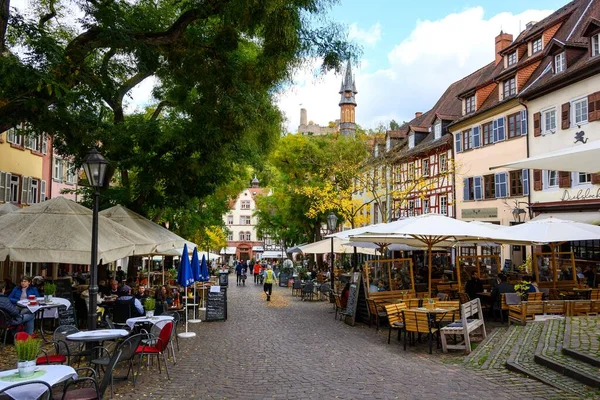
(394, 125)
(217, 64)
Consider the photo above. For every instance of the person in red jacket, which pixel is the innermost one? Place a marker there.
(256, 272)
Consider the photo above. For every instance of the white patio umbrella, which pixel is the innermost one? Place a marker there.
(581, 158)
(60, 231)
(430, 230)
(553, 232)
(324, 246)
(8, 208)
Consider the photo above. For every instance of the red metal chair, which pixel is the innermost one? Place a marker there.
(158, 347)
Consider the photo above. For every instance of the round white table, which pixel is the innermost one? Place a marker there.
(159, 320)
(51, 374)
(98, 335)
(44, 309)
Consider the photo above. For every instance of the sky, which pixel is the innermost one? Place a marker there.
(412, 51)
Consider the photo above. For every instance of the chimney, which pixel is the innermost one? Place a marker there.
(503, 40)
(418, 114)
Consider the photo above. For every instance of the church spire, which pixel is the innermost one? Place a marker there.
(347, 102)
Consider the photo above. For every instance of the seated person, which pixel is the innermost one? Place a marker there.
(163, 296)
(374, 286)
(502, 287)
(113, 290)
(125, 295)
(141, 294)
(15, 317)
(21, 292)
(474, 286)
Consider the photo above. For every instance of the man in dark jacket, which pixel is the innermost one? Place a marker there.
(502, 287)
(474, 286)
(12, 312)
(239, 268)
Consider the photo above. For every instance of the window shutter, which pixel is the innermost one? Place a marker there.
(44, 139)
(42, 191)
(24, 191)
(537, 179)
(495, 130)
(594, 107)
(537, 124)
(476, 137)
(477, 188)
(497, 185)
(595, 179)
(466, 189)
(501, 132)
(525, 181)
(566, 116)
(7, 179)
(564, 179)
(523, 122)
(2, 186)
(458, 142)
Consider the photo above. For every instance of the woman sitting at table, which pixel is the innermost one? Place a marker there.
(21, 293)
(163, 296)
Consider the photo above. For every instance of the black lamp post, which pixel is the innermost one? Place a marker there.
(95, 169)
(332, 224)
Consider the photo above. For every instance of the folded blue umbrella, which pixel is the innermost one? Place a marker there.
(185, 277)
(204, 270)
(196, 272)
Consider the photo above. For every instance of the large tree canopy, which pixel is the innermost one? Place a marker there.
(67, 68)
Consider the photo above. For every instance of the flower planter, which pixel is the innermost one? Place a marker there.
(26, 368)
(150, 314)
(48, 298)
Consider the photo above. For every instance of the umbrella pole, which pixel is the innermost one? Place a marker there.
(555, 270)
(186, 334)
(429, 246)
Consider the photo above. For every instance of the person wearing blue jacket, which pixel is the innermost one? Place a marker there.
(21, 293)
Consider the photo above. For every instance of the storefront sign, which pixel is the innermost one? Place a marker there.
(581, 194)
(479, 213)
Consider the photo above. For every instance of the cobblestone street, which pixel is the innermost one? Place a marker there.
(288, 349)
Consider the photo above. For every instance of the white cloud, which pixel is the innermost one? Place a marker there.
(420, 68)
(368, 37)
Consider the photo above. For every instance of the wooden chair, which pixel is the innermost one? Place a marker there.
(375, 313)
(442, 296)
(419, 322)
(501, 308)
(450, 316)
(535, 296)
(394, 316)
(595, 294)
(465, 326)
(413, 303)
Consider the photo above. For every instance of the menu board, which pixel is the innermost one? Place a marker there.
(283, 279)
(216, 304)
(64, 289)
(66, 316)
(350, 315)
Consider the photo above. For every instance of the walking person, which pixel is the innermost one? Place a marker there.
(238, 272)
(256, 272)
(268, 285)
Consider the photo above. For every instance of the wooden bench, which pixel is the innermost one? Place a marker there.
(578, 308)
(464, 327)
(535, 296)
(391, 296)
(394, 316)
(527, 310)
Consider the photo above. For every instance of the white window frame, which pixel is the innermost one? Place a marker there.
(411, 208)
(426, 208)
(411, 140)
(248, 236)
(470, 104)
(443, 162)
(247, 220)
(57, 170)
(70, 173)
(444, 205)
(560, 63)
(34, 191)
(596, 45)
(584, 115)
(230, 220)
(425, 167)
(458, 142)
(547, 177)
(245, 204)
(540, 46)
(15, 185)
(241, 236)
(544, 113)
(230, 237)
(586, 181)
(512, 58)
(437, 130)
(42, 190)
(511, 84)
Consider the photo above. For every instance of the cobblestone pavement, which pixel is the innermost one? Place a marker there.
(288, 349)
(584, 335)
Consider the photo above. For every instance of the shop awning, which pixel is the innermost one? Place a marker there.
(228, 250)
(257, 248)
(587, 217)
(272, 254)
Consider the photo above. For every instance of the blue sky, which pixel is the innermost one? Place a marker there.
(410, 54)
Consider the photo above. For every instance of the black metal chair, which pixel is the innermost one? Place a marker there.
(308, 291)
(5, 326)
(122, 311)
(73, 350)
(87, 387)
(324, 291)
(297, 288)
(32, 387)
(177, 320)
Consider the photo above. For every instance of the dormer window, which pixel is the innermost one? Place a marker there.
(536, 47)
(470, 104)
(512, 58)
(411, 140)
(560, 63)
(596, 45)
(509, 87)
(437, 130)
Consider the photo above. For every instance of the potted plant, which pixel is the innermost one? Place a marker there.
(173, 273)
(27, 351)
(150, 306)
(522, 289)
(49, 291)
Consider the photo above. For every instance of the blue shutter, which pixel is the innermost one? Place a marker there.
(501, 185)
(495, 131)
(523, 122)
(501, 133)
(525, 179)
(458, 142)
(478, 195)
(466, 189)
(476, 137)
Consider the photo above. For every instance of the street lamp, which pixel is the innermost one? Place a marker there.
(332, 224)
(95, 169)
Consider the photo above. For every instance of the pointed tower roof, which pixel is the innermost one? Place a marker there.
(348, 88)
(255, 182)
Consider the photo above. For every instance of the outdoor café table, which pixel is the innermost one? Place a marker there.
(51, 374)
(98, 335)
(159, 320)
(435, 314)
(44, 309)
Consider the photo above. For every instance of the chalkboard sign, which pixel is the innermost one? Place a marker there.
(350, 315)
(283, 279)
(507, 265)
(223, 279)
(67, 316)
(64, 289)
(216, 304)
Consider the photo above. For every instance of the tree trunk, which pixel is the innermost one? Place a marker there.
(4, 15)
